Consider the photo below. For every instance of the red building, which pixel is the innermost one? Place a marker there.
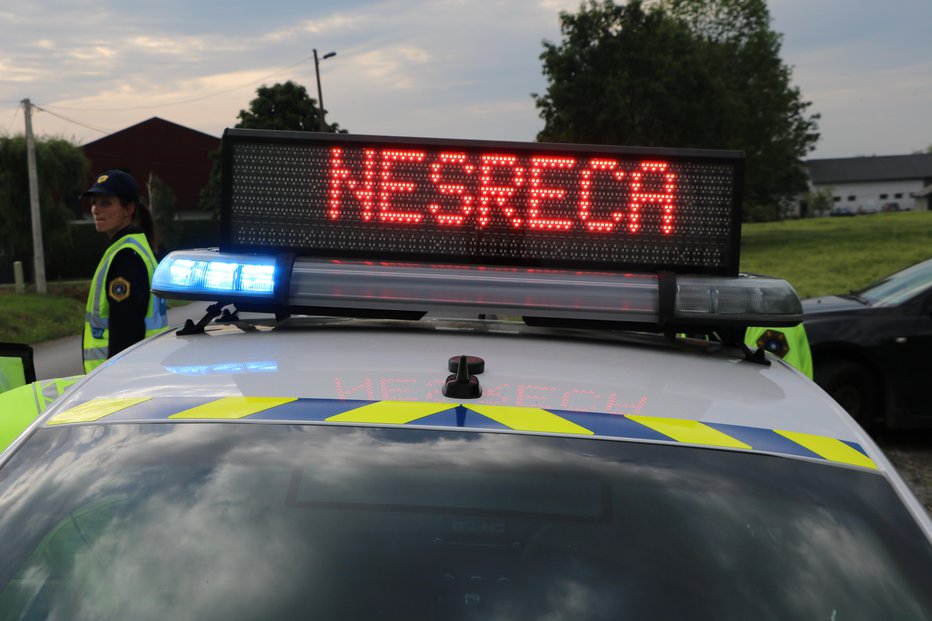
(178, 155)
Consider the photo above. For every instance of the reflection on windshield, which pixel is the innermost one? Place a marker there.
(901, 286)
(231, 522)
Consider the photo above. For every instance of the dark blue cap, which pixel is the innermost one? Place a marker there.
(116, 183)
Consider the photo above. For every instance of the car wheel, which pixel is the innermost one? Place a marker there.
(854, 387)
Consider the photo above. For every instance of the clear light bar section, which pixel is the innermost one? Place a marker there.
(209, 275)
(564, 294)
(752, 300)
(468, 290)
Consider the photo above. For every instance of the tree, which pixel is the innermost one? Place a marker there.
(681, 73)
(280, 106)
(162, 203)
(819, 201)
(62, 171)
(284, 106)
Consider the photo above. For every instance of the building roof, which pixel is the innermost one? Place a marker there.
(874, 168)
(153, 124)
(178, 155)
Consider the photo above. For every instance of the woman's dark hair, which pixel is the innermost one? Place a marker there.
(142, 218)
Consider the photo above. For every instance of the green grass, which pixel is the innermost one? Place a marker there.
(33, 318)
(821, 256)
(817, 256)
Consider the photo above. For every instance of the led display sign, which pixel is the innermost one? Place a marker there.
(529, 204)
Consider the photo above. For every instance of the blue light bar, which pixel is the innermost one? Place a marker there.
(200, 274)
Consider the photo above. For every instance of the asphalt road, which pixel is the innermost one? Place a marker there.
(62, 358)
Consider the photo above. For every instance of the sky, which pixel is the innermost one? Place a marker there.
(438, 68)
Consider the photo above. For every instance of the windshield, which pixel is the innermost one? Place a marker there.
(272, 521)
(899, 287)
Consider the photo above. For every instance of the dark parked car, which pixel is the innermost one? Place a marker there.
(872, 349)
(841, 210)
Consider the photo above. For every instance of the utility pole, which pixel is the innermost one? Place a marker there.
(320, 95)
(38, 253)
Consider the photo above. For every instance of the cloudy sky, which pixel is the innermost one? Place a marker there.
(444, 68)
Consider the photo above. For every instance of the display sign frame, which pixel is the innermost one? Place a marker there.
(546, 205)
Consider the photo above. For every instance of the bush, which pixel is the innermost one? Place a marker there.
(75, 256)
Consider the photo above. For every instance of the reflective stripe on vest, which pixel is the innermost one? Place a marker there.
(97, 311)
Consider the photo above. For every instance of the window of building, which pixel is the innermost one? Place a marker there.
(882, 196)
(898, 195)
(837, 199)
(851, 198)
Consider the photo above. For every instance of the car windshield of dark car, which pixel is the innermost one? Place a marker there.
(272, 521)
(899, 287)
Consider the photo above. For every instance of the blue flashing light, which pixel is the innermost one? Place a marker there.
(206, 274)
(259, 278)
(227, 368)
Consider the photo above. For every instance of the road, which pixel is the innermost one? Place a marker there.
(62, 358)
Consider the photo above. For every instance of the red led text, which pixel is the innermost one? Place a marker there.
(412, 186)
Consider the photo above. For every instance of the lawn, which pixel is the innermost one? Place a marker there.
(817, 256)
(33, 318)
(820, 256)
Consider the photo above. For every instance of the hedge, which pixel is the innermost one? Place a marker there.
(78, 258)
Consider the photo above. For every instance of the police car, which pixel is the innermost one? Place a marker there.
(460, 380)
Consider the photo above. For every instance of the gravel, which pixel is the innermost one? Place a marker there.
(911, 453)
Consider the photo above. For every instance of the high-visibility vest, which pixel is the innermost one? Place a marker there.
(791, 344)
(11, 373)
(97, 311)
(20, 406)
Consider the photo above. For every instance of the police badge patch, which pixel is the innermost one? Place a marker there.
(118, 289)
(774, 341)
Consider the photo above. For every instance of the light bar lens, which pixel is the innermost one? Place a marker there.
(753, 300)
(625, 298)
(210, 274)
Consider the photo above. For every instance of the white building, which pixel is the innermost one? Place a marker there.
(876, 183)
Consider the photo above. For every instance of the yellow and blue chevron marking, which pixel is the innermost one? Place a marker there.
(471, 416)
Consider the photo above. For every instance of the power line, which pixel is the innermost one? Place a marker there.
(184, 101)
(64, 118)
(13, 120)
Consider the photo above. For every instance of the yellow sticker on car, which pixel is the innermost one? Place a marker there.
(233, 407)
(94, 410)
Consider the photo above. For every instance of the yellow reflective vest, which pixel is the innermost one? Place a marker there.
(20, 406)
(791, 344)
(97, 311)
(11, 373)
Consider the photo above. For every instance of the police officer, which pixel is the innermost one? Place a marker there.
(121, 310)
(791, 344)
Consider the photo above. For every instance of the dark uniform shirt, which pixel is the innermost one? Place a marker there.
(128, 296)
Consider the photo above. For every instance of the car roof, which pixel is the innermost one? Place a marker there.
(630, 386)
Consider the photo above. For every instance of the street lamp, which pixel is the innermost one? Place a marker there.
(320, 95)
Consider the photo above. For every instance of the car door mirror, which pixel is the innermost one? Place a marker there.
(17, 367)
